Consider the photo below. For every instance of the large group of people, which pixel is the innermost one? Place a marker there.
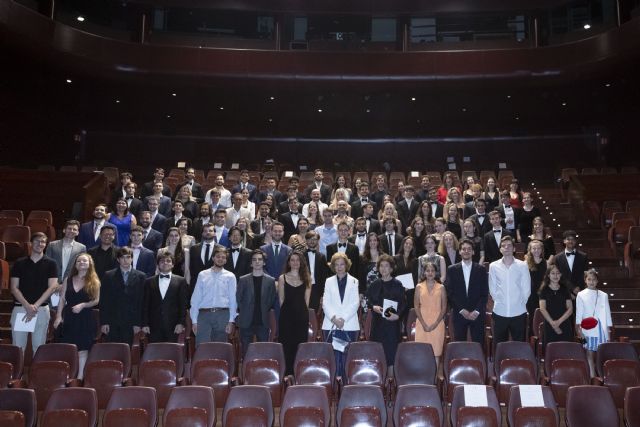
(226, 258)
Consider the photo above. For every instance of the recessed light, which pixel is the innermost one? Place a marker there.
(464, 110)
(270, 120)
(174, 94)
(319, 110)
(272, 98)
(117, 101)
(80, 18)
(222, 108)
(68, 80)
(564, 104)
(517, 117)
(413, 99)
(508, 96)
(586, 26)
(607, 85)
(368, 110)
(168, 116)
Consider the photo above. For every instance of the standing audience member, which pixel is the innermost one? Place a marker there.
(180, 255)
(537, 270)
(448, 248)
(317, 184)
(89, 234)
(431, 255)
(277, 252)
(328, 232)
(343, 245)
(158, 177)
(236, 211)
(151, 239)
(369, 263)
(469, 233)
(244, 184)
(65, 251)
(105, 255)
(390, 240)
(539, 233)
(572, 262)
(157, 220)
(239, 259)
(430, 302)
(527, 214)
(201, 255)
(164, 201)
(143, 258)
(318, 269)
(556, 307)
(493, 238)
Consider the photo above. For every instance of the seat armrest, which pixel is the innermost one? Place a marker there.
(597, 381)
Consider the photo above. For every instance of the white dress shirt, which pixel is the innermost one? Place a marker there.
(312, 266)
(570, 259)
(97, 226)
(466, 272)
(214, 289)
(510, 287)
(360, 241)
(136, 255)
(163, 284)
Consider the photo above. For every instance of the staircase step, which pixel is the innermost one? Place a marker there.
(631, 318)
(618, 305)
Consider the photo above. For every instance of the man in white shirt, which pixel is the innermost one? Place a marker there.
(510, 287)
(235, 212)
(327, 232)
(315, 197)
(359, 238)
(143, 259)
(225, 195)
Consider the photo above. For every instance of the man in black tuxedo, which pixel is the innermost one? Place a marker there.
(359, 237)
(257, 225)
(509, 214)
(151, 239)
(423, 193)
(239, 259)
(120, 190)
(283, 206)
(572, 263)
(348, 248)
(390, 240)
(244, 183)
(133, 202)
(166, 299)
(493, 237)
(201, 254)
(318, 268)
(357, 206)
(325, 190)
(290, 219)
(105, 255)
(408, 207)
(468, 290)
(270, 190)
(372, 224)
(437, 209)
(196, 189)
(480, 218)
(380, 190)
(158, 176)
(121, 298)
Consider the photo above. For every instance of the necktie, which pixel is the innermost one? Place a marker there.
(276, 250)
(144, 234)
(125, 276)
(206, 253)
(96, 227)
(390, 244)
(164, 276)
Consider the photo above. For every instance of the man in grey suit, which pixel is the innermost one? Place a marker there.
(65, 251)
(256, 294)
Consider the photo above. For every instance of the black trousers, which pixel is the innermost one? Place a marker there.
(120, 333)
(476, 327)
(503, 326)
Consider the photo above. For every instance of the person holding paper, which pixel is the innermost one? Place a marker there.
(33, 280)
(387, 300)
(407, 264)
(430, 302)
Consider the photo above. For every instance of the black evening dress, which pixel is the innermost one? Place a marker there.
(294, 323)
(77, 328)
(556, 306)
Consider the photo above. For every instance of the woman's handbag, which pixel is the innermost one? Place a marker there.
(591, 322)
(339, 339)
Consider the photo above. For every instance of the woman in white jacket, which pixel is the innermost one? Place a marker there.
(340, 304)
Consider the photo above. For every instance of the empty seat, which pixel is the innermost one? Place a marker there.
(133, 406)
(366, 364)
(361, 405)
(618, 368)
(414, 364)
(315, 365)
(16, 240)
(108, 366)
(264, 365)
(192, 405)
(631, 405)
(13, 213)
(590, 171)
(12, 419)
(36, 214)
(305, 405)
(248, 405)
(619, 231)
(589, 405)
(458, 401)
(214, 365)
(565, 365)
(22, 400)
(162, 367)
(514, 363)
(41, 225)
(464, 363)
(73, 406)
(515, 405)
(410, 325)
(53, 366)
(11, 357)
(473, 416)
(628, 169)
(418, 405)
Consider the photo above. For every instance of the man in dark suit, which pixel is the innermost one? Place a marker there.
(270, 190)
(121, 297)
(190, 180)
(257, 225)
(572, 263)
(348, 248)
(357, 206)
(277, 252)
(318, 269)
(105, 254)
(239, 259)
(200, 255)
(359, 236)
(423, 193)
(510, 215)
(390, 240)
(325, 190)
(290, 219)
(468, 290)
(120, 190)
(143, 259)
(172, 221)
(166, 298)
(480, 218)
(151, 239)
(157, 219)
(133, 202)
(158, 176)
(381, 190)
(372, 224)
(244, 183)
(493, 237)
(408, 207)
(292, 193)
(89, 234)
(256, 295)
(437, 209)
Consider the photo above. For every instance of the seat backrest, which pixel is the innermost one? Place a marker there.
(35, 214)
(58, 351)
(458, 401)
(12, 419)
(620, 374)
(215, 350)
(22, 400)
(415, 364)
(165, 351)
(75, 398)
(472, 416)
(562, 350)
(16, 233)
(6, 221)
(192, 396)
(111, 351)
(13, 213)
(247, 398)
(361, 396)
(103, 376)
(69, 417)
(614, 350)
(304, 404)
(631, 405)
(13, 354)
(410, 325)
(411, 403)
(515, 403)
(532, 416)
(213, 365)
(589, 405)
(135, 397)
(365, 363)
(463, 350)
(315, 364)
(513, 350)
(130, 417)
(265, 350)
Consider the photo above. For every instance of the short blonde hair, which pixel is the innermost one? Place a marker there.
(337, 256)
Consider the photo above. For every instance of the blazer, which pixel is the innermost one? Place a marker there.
(54, 251)
(164, 207)
(352, 252)
(253, 191)
(516, 216)
(476, 298)
(196, 190)
(438, 212)
(120, 304)
(158, 222)
(580, 265)
(164, 313)
(374, 226)
(274, 267)
(277, 196)
(244, 213)
(483, 229)
(246, 300)
(346, 308)
(407, 213)
(171, 222)
(147, 189)
(320, 274)
(195, 262)
(87, 238)
(153, 241)
(287, 222)
(384, 242)
(146, 262)
(136, 207)
(255, 226)
(243, 265)
(491, 249)
(356, 207)
(325, 192)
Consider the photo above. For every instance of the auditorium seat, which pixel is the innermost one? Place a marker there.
(264, 365)
(4, 268)
(22, 400)
(536, 338)
(565, 365)
(133, 406)
(521, 420)
(628, 169)
(514, 363)
(315, 365)
(361, 405)
(313, 326)
(12, 419)
(108, 367)
(11, 364)
(614, 350)
(40, 214)
(467, 173)
(485, 175)
(608, 171)
(632, 250)
(162, 367)
(192, 406)
(590, 406)
(418, 405)
(214, 365)
(13, 213)
(410, 325)
(71, 407)
(365, 364)
(248, 405)
(5, 222)
(305, 405)
(631, 405)
(16, 240)
(41, 225)
(463, 363)
(414, 364)
(53, 366)
(590, 171)
(482, 417)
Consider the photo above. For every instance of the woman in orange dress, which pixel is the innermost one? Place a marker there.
(430, 302)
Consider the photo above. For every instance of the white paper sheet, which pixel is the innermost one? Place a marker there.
(475, 395)
(55, 299)
(531, 395)
(22, 326)
(389, 303)
(406, 280)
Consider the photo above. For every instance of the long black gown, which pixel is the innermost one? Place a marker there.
(382, 330)
(77, 328)
(294, 322)
(556, 303)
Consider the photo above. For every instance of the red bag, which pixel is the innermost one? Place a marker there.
(589, 323)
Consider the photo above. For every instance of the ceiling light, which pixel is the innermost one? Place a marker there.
(117, 101)
(517, 117)
(368, 110)
(68, 80)
(270, 120)
(464, 110)
(607, 84)
(168, 116)
(174, 94)
(319, 110)
(222, 108)
(272, 98)
(413, 99)
(564, 104)
(508, 96)
(586, 26)
(80, 18)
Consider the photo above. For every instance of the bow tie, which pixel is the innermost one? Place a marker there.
(165, 276)
(128, 198)
(497, 231)
(294, 213)
(362, 235)
(507, 206)
(481, 216)
(235, 250)
(311, 251)
(342, 245)
(570, 253)
(365, 199)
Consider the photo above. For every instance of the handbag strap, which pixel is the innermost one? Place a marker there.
(596, 303)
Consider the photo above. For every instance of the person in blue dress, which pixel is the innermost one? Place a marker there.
(123, 220)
